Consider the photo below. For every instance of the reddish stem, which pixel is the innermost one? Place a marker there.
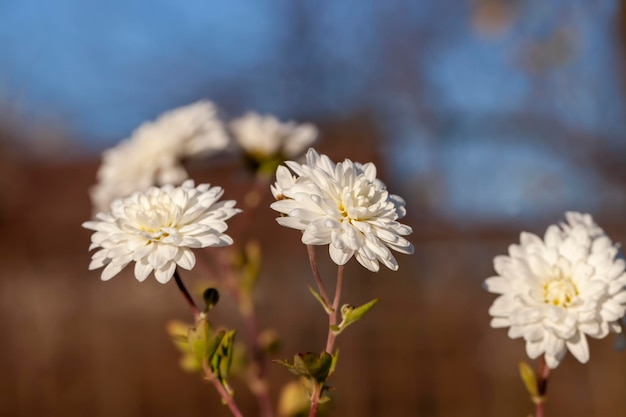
(316, 273)
(542, 386)
(332, 321)
(183, 290)
(226, 397)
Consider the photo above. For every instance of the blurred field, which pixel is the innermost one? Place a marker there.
(74, 346)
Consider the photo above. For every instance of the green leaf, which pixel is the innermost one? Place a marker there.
(529, 378)
(328, 309)
(288, 365)
(178, 331)
(312, 365)
(198, 338)
(222, 357)
(351, 314)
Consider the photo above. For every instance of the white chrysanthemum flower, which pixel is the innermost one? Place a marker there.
(156, 229)
(264, 137)
(344, 206)
(558, 290)
(155, 152)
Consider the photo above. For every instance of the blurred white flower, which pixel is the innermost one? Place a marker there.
(558, 290)
(155, 152)
(344, 206)
(264, 137)
(157, 227)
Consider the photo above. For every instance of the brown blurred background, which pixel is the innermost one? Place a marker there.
(489, 117)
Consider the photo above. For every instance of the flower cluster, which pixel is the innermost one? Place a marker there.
(344, 206)
(153, 155)
(156, 229)
(556, 291)
(264, 137)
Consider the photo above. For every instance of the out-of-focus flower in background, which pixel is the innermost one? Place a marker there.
(556, 291)
(346, 207)
(155, 152)
(265, 138)
(157, 229)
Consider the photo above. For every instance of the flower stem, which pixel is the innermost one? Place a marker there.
(258, 378)
(183, 290)
(332, 317)
(316, 273)
(330, 341)
(226, 397)
(542, 386)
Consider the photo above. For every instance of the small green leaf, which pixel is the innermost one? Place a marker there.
(198, 339)
(314, 366)
(213, 345)
(178, 331)
(324, 399)
(310, 365)
(529, 378)
(221, 358)
(328, 309)
(351, 314)
(287, 365)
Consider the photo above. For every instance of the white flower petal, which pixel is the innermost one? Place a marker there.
(155, 229)
(110, 271)
(578, 346)
(340, 256)
(558, 291)
(142, 270)
(164, 274)
(186, 259)
(263, 137)
(154, 153)
(534, 349)
(344, 206)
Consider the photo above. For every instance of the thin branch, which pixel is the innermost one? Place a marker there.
(332, 318)
(330, 341)
(542, 386)
(316, 273)
(258, 370)
(183, 290)
(226, 397)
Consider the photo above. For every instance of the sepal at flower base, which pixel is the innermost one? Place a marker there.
(351, 314)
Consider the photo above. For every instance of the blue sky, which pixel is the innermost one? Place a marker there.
(446, 95)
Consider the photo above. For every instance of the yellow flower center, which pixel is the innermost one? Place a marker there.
(560, 292)
(342, 210)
